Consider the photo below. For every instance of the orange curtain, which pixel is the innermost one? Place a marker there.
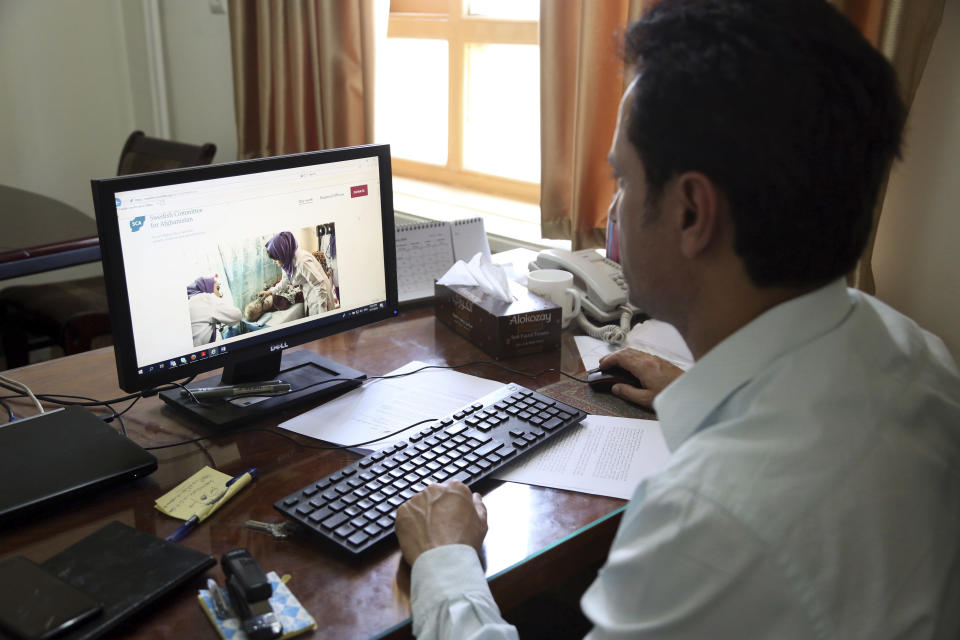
(905, 36)
(580, 42)
(303, 73)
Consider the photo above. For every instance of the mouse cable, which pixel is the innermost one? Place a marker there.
(72, 400)
(526, 374)
(290, 438)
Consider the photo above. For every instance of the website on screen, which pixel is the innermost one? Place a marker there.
(208, 263)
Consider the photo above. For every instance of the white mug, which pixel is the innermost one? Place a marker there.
(557, 287)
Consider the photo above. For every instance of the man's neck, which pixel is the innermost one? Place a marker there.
(720, 312)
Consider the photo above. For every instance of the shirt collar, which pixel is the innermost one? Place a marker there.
(683, 406)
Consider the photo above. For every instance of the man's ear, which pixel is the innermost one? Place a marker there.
(700, 200)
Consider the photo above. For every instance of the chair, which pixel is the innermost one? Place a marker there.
(73, 313)
(142, 153)
(69, 314)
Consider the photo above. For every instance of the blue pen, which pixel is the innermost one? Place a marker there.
(252, 471)
(194, 520)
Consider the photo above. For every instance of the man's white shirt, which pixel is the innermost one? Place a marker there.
(813, 492)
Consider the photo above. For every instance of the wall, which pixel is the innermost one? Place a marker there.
(196, 45)
(76, 81)
(192, 55)
(916, 258)
(65, 107)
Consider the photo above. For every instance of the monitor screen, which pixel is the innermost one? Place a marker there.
(228, 265)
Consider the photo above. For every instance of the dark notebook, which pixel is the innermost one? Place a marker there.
(61, 454)
(125, 570)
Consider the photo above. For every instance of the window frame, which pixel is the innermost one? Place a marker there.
(448, 20)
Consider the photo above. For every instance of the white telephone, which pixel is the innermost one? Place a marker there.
(604, 289)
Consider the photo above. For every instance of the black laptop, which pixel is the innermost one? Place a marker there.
(48, 458)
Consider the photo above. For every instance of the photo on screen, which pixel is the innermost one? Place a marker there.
(264, 281)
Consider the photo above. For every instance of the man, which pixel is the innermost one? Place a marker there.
(814, 488)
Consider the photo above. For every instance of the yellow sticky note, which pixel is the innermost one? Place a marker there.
(231, 491)
(198, 495)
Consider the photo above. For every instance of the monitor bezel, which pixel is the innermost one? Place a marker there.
(108, 226)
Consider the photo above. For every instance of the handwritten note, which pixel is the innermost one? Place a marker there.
(195, 496)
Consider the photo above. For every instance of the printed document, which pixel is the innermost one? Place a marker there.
(380, 407)
(603, 456)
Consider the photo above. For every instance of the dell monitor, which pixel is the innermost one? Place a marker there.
(229, 265)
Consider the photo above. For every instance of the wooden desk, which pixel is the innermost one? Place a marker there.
(349, 598)
(39, 233)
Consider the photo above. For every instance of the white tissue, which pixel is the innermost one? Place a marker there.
(479, 272)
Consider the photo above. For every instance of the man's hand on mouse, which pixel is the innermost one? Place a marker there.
(655, 374)
(441, 514)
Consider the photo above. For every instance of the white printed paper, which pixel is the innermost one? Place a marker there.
(603, 456)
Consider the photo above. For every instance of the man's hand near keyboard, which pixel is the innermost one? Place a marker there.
(441, 531)
(442, 514)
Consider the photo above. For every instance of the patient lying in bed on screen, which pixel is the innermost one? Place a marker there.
(285, 304)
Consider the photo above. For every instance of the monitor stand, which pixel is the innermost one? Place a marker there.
(303, 370)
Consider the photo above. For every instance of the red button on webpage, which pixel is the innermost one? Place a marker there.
(356, 192)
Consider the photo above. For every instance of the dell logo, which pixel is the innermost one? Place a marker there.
(278, 346)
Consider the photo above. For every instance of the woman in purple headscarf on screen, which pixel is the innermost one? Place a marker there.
(207, 309)
(300, 269)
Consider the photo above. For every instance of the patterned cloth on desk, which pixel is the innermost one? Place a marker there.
(291, 614)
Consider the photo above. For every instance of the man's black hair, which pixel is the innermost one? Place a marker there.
(786, 107)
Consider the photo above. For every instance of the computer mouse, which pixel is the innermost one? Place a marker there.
(603, 381)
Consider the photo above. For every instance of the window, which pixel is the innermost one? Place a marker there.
(458, 94)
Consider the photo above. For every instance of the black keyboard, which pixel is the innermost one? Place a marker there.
(356, 506)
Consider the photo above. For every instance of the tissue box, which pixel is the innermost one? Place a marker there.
(529, 324)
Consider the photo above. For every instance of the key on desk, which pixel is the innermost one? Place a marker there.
(278, 530)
